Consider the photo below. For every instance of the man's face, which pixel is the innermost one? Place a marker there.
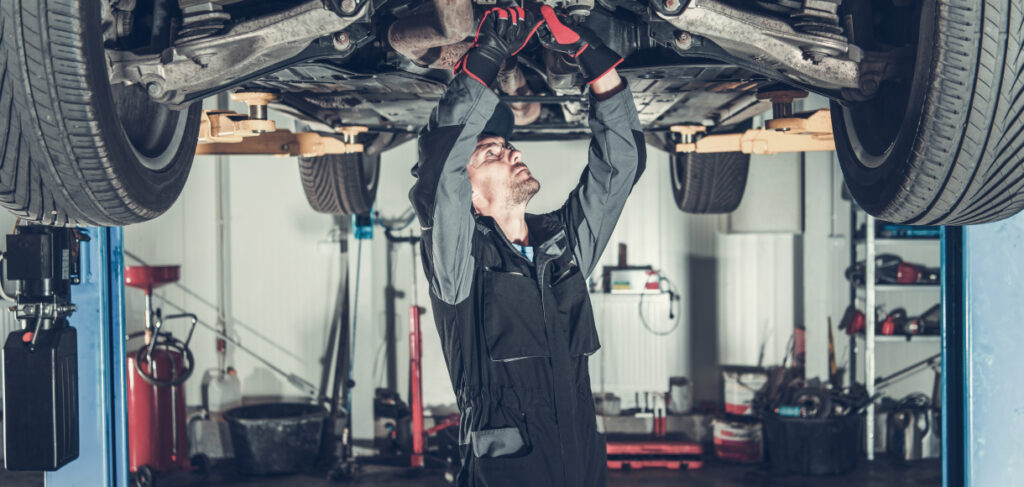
(498, 174)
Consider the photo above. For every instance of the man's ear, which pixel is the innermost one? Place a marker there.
(477, 199)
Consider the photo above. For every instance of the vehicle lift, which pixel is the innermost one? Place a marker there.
(223, 132)
(982, 268)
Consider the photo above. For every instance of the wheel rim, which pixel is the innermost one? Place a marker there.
(369, 166)
(875, 127)
(153, 130)
(676, 170)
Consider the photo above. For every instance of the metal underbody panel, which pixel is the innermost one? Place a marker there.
(377, 63)
(401, 101)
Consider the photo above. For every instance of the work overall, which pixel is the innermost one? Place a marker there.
(517, 334)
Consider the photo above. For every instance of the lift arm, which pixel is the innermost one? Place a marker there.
(223, 132)
(802, 132)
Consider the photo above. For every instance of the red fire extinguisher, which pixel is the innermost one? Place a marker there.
(157, 371)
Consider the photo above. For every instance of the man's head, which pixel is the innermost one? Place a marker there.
(499, 177)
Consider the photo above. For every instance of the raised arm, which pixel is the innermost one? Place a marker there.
(617, 158)
(617, 150)
(442, 196)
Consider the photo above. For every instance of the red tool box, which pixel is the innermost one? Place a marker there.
(635, 455)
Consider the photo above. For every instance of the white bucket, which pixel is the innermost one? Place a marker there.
(738, 441)
(680, 395)
(741, 384)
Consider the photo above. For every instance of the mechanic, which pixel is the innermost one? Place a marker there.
(508, 288)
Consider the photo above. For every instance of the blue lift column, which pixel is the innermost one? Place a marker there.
(99, 321)
(983, 354)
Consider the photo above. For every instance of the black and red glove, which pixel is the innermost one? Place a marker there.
(578, 42)
(502, 32)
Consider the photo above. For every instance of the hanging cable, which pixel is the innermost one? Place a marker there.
(3, 292)
(673, 296)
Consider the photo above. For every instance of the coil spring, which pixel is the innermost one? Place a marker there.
(197, 25)
(814, 21)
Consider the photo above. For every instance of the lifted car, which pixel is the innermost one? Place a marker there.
(100, 99)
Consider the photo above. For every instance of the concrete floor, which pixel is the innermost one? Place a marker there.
(881, 473)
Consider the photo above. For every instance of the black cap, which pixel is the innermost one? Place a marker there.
(501, 123)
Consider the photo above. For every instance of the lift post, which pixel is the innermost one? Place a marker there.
(99, 320)
(983, 428)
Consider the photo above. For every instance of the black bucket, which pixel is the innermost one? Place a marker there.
(813, 446)
(275, 438)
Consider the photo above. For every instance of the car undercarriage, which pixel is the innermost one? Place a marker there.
(385, 64)
(924, 106)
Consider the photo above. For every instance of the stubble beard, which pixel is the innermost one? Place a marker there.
(523, 191)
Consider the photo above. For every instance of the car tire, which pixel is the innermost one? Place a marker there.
(709, 183)
(943, 147)
(75, 149)
(341, 184)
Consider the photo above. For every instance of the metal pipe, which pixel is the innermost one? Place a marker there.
(551, 99)
(3, 292)
(148, 323)
(513, 82)
(434, 40)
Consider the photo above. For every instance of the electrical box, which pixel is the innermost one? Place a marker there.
(634, 280)
(41, 399)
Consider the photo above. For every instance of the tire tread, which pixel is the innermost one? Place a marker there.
(709, 183)
(61, 151)
(335, 185)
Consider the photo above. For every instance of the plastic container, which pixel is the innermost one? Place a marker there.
(738, 440)
(275, 438)
(680, 393)
(221, 391)
(814, 446)
(741, 383)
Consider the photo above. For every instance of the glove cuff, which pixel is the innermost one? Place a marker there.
(479, 66)
(597, 60)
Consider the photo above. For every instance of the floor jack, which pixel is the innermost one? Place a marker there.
(157, 371)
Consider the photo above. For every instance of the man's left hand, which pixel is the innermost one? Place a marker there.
(502, 32)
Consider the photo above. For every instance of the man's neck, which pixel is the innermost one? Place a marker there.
(512, 222)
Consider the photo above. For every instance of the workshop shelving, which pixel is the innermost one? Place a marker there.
(865, 247)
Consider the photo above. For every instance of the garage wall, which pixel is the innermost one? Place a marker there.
(738, 290)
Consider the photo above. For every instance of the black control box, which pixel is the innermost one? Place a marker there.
(40, 399)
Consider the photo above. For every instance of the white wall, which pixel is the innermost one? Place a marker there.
(739, 292)
(737, 289)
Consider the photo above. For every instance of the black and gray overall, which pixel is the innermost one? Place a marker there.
(516, 334)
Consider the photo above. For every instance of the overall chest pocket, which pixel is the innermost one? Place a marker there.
(575, 312)
(513, 321)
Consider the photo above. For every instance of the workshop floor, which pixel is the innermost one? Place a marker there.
(881, 473)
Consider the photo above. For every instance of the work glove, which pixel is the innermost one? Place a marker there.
(578, 42)
(502, 32)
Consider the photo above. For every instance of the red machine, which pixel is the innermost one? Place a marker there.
(157, 435)
(673, 455)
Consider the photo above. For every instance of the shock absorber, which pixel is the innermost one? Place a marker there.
(200, 18)
(820, 18)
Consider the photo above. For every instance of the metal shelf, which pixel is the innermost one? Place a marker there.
(904, 338)
(900, 241)
(888, 288)
(866, 248)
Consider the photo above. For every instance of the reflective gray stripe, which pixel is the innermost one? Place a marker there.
(496, 442)
(468, 105)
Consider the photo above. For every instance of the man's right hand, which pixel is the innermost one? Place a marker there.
(502, 32)
(578, 42)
